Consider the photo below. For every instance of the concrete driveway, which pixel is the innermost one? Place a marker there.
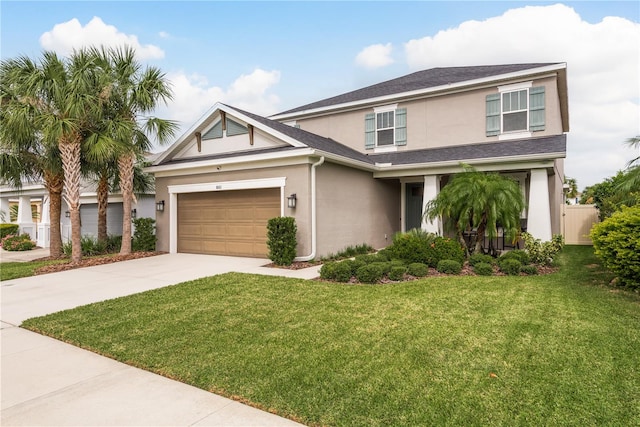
(47, 382)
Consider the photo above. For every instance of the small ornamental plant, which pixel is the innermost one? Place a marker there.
(281, 240)
(21, 242)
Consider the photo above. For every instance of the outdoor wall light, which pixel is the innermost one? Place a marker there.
(67, 214)
(134, 214)
(160, 206)
(291, 201)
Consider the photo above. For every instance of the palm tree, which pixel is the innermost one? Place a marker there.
(572, 193)
(133, 94)
(23, 155)
(481, 201)
(631, 181)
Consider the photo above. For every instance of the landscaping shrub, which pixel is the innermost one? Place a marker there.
(384, 266)
(444, 248)
(370, 273)
(21, 242)
(354, 265)
(542, 253)
(483, 269)
(349, 252)
(91, 246)
(519, 254)
(616, 241)
(114, 243)
(281, 239)
(342, 272)
(8, 229)
(449, 266)
(144, 238)
(481, 258)
(418, 269)
(530, 270)
(412, 245)
(510, 266)
(369, 259)
(328, 270)
(397, 272)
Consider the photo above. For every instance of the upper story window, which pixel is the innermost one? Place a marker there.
(386, 127)
(516, 111)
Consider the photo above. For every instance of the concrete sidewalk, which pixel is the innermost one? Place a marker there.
(23, 256)
(47, 382)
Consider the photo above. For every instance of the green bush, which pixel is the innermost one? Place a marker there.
(411, 246)
(510, 266)
(281, 239)
(478, 258)
(144, 238)
(384, 266)
(21, 242)
(371, 258)
(349, 252)
(542, 253)
(328, 270)
(519, 254)
(370, 273)
(354, 265)
(418, 269)
(8, 229)
(483, 269)
(616, 241)
(529, 270)
(113, 243)
(342, 272)
(449, 266)
(397, 272)
(444, 248)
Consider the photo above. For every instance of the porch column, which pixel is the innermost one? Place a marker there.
(25, 217)
(430, 193)
(44, 226)
(539, 215)
(5, 215)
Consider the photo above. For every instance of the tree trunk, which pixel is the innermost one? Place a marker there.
(103, 203)
(125, 169)
(70, 154)
(54, 184)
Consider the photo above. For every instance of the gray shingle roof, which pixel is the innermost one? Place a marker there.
(419, 80)
(522, 147)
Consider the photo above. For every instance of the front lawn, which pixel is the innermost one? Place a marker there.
(559, 349)
(15, 270)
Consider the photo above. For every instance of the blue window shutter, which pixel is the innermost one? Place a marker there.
(493, 114)
(369, 131)
(214, 132)
(536, 108)
(234, 128)
(401, 126)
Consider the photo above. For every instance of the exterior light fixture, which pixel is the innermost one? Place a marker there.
(134, 214)
(291, 201)
(160, 206)
(67, 214)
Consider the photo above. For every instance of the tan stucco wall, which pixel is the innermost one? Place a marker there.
(354, 208)
(297, 181)
(452, 119)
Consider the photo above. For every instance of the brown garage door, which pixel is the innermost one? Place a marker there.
(226, 222)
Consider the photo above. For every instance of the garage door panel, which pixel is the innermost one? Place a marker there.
(226, 222)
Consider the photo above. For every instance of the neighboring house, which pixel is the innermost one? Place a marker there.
(35, 197)
(360, 166)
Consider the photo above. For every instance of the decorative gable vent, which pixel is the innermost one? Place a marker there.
(214, 132)
(235, 128)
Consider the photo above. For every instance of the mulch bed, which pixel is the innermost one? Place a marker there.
(296, 265)
(90, 262)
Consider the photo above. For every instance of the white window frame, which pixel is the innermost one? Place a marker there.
(386, 109)
(508, 89)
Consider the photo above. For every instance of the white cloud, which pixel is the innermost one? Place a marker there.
(603, 63)
(70, 35)
(375, 56)
(164, 34)
(193, 96)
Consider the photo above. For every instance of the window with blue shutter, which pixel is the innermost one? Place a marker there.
(493, 114)
(369, 131)
(401, 126)
(536, 108)
(385, 128)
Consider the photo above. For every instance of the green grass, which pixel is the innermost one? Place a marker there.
(16, 270)
(560, 349)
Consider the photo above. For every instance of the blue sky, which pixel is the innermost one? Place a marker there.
(267, 57)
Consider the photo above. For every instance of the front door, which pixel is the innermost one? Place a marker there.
(413, 208)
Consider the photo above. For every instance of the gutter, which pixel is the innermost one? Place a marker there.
(314, 214)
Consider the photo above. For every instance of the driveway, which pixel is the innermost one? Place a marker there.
(47, 382)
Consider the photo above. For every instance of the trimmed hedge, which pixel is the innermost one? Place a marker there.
(444, 249)
(144, 238)
(7, 229)
(481, 258)
(418, 269)
(519, 254)
(397, 272)
(510, 266)
(370, 273)
(483, 269)
(449, 266)
(281, 239)
(529, 270)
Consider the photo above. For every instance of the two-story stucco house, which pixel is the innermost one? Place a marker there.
(360, 166)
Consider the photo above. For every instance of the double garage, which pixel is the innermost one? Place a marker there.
(230, 223)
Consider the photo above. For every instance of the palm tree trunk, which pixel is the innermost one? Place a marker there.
(54, 184)
(125, 167)
(103, 203)
(70, 154)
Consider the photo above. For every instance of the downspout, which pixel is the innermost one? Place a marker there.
(314, 233)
